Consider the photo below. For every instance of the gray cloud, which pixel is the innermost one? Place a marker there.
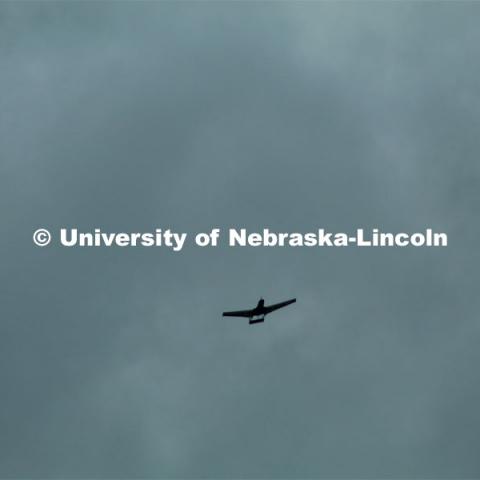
(127, 116)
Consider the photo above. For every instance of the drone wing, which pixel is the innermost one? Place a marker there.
(276, 306)
(239, 313)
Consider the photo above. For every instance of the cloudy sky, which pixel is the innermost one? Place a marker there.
(292, 116)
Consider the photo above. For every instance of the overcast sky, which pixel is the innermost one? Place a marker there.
(292, 116)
